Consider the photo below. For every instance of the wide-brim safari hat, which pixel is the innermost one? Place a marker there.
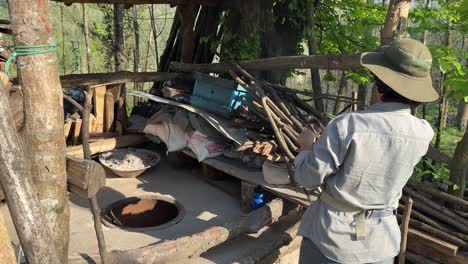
(405, 66)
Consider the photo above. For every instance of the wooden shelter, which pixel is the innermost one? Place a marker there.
(106, 126)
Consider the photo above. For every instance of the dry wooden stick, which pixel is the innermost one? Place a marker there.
(73, 102)
(434, 224)
(436, 232)
(436, 206)
(93, 201)
(404, 229)
(440, 216)
(441, 195)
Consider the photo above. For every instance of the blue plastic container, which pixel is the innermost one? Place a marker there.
(217, 95)
(258, 200)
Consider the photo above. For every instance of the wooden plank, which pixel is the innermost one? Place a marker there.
(99, 97)
(104, 145)
(237, 169)
(109, 112)
(247, 197)
(76, 132)
(422, 241)
(115, 89)
(66, 128)
(87, 175)
(99, 79)
(221, 3)
(122, 115)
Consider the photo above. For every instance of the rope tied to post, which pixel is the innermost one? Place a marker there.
(26, 51)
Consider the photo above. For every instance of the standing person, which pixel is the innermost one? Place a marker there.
(364, 159)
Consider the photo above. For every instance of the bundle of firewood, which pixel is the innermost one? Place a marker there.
(283, 112)
(438, 225)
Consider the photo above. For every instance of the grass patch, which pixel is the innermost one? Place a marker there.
(450, 137)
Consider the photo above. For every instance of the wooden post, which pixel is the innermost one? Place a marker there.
(39, 80)
(314, 72)
(247, 197)
(404, 229)
(86, 37)
(186, 14)
(23, 203)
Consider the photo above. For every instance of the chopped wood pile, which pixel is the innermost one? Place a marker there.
(108, 117)
(438, 230)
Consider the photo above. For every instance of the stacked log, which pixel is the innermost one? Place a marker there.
(438, 225)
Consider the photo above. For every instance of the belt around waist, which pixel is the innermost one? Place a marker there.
(360, 216)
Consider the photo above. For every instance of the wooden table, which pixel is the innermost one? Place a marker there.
(241, 171)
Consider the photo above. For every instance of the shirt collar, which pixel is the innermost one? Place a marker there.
(390, 106)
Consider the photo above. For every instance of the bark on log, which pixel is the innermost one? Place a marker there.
(330, 62)
(194, 245)
(288, 235)
(441, 216)
(104, 145)
(419, 197)
(436, 232)
(25, 209)
(39, 79)
(416, 258)
(96, 79)
(452, 199)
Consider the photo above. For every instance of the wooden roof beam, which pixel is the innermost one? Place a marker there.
(223, 3)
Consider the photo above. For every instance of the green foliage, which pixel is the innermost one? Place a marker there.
(241, 47)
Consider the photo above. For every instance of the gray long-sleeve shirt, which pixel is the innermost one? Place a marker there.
(363, 158)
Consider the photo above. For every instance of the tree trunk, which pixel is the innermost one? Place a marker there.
(396, 16)
(136, 51)
(463, 116)
(314, 73)
(187, 14)
(424, 38)
(155, 33)
(15, 170)
(119, 56)
(64, 58)
(339, 105)
(459, 166)
(86, 37)
(39, 80)
(444, 103)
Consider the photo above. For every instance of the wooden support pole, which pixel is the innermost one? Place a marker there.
(247, 197)
(187, 20)
(328, 62)
(196, 244)
(25, 209)
(43, 106)
(93, 200)
(104, 145)
(95, 79)
(404, 229)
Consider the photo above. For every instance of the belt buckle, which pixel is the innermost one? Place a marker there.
(369, 213)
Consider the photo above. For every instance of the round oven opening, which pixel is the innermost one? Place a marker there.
(146, 212)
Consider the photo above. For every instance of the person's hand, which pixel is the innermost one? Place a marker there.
(306, 140)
